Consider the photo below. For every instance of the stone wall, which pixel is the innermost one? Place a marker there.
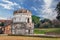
(22, 28)
(22, 22)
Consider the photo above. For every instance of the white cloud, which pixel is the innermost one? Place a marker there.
(47, 11)
(47, 3)
(7, 1)
(2, 18)
(36, 0)
(6, 6)
(9, 5)
(33, 8)
(51, 15)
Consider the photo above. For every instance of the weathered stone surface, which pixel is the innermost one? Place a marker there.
(22, 23)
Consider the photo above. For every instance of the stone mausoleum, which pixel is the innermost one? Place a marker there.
(22, 22)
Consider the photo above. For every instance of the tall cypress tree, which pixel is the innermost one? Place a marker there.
(58, 11)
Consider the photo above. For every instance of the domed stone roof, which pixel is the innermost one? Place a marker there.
(22, 11)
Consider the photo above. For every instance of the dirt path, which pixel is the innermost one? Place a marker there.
(25, 38)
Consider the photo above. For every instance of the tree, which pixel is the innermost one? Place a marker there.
(45, 20)
(58, 11)
(46, 23)
(56, 23)
(1, 24)
(58, 16)
(36, 20)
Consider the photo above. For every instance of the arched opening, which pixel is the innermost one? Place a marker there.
(29, 31)
(1, 31)
(28, 20)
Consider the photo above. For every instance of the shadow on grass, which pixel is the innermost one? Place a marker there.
(44, 36)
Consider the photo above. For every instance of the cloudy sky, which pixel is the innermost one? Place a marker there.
(41, 8)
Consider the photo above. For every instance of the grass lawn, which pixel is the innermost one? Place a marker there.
(25, 38)
(36, 31)
(45, 30)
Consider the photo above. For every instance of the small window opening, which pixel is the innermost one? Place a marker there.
(28, 20)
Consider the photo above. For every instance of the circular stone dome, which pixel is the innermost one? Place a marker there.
(22, 11)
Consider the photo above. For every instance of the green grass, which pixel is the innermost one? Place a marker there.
(45, 30)
(37, 31)
(55, 31)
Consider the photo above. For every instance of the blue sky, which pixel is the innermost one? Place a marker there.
(41, 8)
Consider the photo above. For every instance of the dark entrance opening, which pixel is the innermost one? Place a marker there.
(28, 20)
(28, 31)
(1, 31)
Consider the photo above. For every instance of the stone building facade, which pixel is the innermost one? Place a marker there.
(22, 22)
(6, 28)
